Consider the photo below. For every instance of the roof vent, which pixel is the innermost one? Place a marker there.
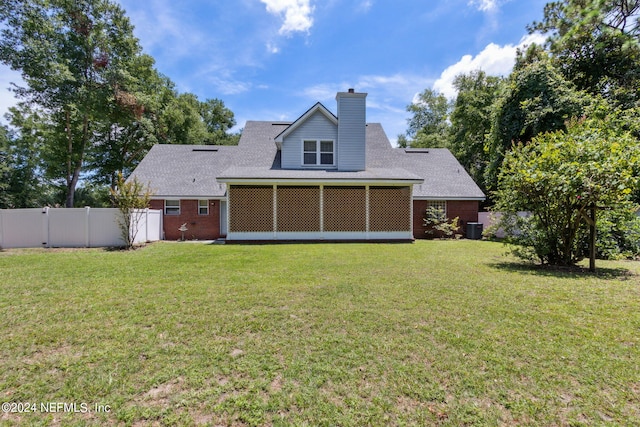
(416, 150)
(206, 149)
(352, 90)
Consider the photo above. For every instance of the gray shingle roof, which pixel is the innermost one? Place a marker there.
(192, 171)
(184, 170)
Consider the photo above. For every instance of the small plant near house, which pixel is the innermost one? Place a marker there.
(439, 224)
(131, 198)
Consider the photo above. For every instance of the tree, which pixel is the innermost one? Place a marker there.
(218, 120)
(181, 122)
(26, 184)
(4, 167)
(186, 120)
(596, 44)
(128, 130)
(562, 178)
(131, 198)
(471, 120)
(536, 99)
(438, 224)
(429, 125)
(71, 55)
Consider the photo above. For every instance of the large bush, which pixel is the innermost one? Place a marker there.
(560, 177)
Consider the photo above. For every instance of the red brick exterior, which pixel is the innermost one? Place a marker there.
(207, 227)
(200, 227)
(466, 210)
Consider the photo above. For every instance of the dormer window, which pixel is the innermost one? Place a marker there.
(318, 152)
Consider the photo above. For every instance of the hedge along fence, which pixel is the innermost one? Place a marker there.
(72, 228)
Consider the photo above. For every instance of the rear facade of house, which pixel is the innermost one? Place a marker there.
(323, 177)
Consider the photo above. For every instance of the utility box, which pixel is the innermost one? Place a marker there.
(474, 230)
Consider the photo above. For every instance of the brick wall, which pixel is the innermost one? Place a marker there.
(200, 227)
(207, 227)
(466, 210)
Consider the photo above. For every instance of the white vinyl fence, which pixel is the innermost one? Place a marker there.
(490, 218)
(72, 228)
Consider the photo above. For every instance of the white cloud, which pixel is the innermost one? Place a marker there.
(484, 5)
(494, 60)
(272, 48)
(160, 26)
(227, 86)
(296, 14)
(365, 6)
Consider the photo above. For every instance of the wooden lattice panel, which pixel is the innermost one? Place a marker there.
(298, 208)
(389, 209)
(345, 209)
(250, 209)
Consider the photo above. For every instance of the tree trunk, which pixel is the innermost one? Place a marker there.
(592, 240)
(69, 177)
(71, 187)
(74, 175)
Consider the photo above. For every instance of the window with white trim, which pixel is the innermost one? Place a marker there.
(172, 207)
(318, 152)
(203, 207)
(440, 208)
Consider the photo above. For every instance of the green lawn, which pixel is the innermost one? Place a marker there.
(431, 333)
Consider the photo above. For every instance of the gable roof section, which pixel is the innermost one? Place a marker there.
(310, 112)
(184, 171)
(444, 177)
(259, 160)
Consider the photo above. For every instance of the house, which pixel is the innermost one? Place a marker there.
(323, 177)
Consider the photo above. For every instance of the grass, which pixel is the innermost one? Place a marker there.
(432, 333)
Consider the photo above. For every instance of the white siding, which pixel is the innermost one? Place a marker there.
(318, 126)
(223, 217)
(351, 131)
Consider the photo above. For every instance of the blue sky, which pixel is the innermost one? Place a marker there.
(273, 59)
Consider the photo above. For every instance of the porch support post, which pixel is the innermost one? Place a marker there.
(367, 207)
(411, 210)
(321, 208)
(275, 211)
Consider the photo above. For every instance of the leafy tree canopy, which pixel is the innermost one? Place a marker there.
(428, 127)
(471, 120)
(97, 97)
(596, 44)
(536, 99)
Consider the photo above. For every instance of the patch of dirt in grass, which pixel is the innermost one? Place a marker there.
(222, 380)
(328, 392)
(633, 404)
(203, 417)
(407, 405)
(11, 417)
(48, 355)
(276, 385)
(236, 352)
(488, 406)
(160, 395)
